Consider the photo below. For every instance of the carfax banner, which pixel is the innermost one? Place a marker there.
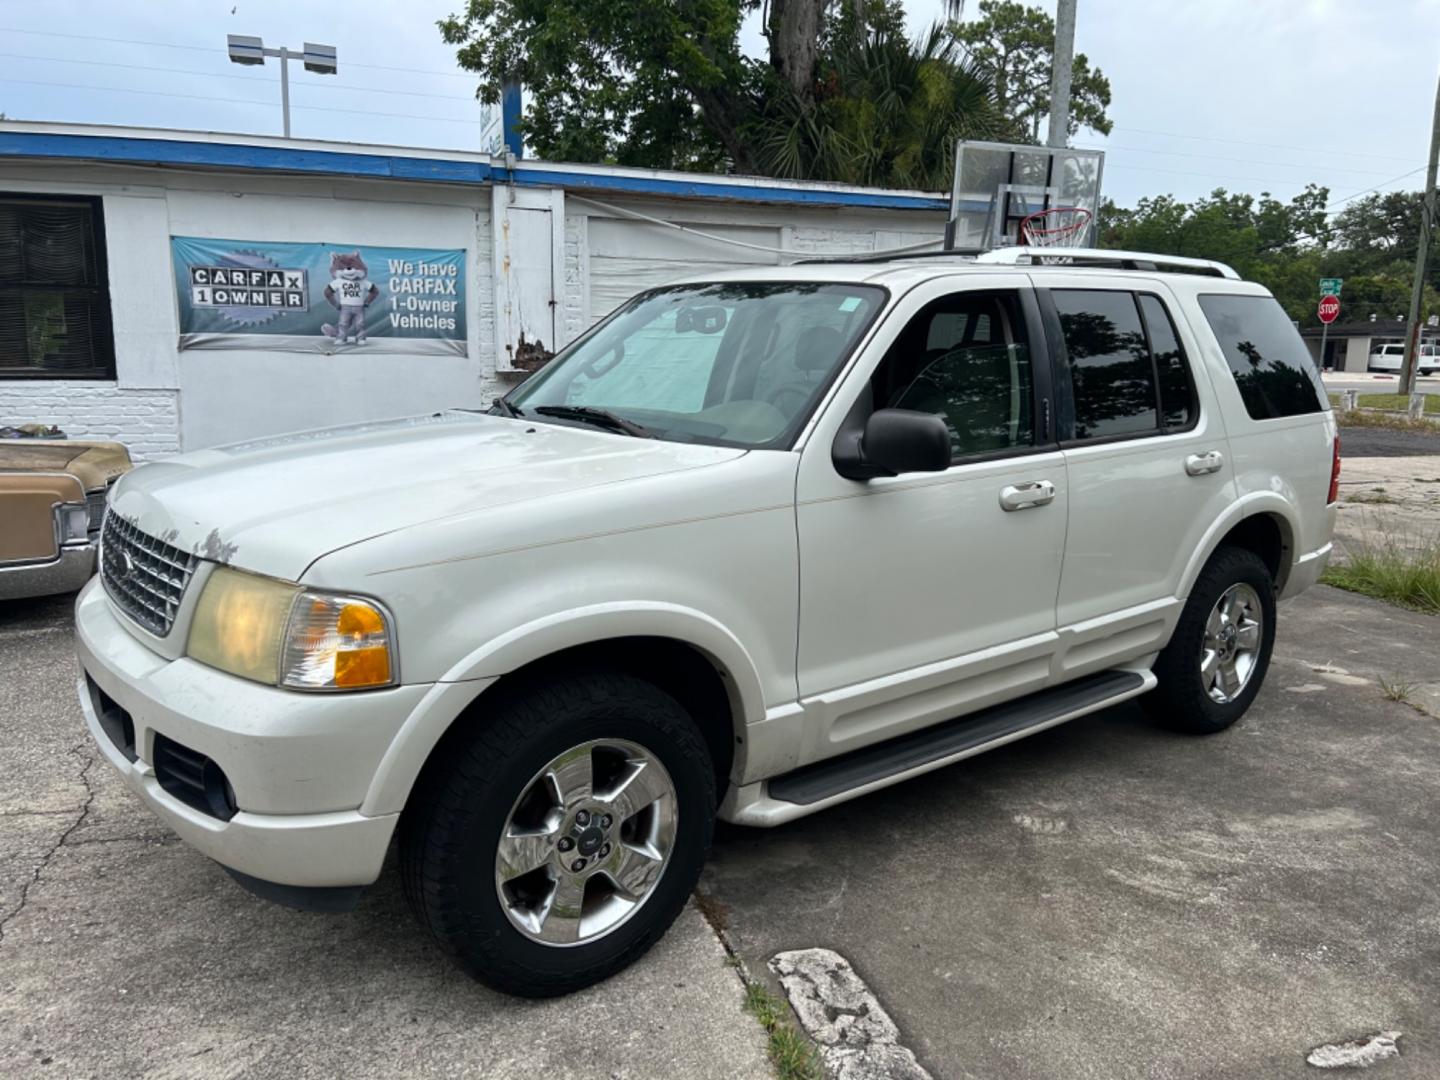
(327, 298)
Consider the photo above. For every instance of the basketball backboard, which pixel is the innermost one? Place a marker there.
(997, 185)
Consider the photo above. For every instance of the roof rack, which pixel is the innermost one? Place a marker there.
(894, 256)
(1117, 260)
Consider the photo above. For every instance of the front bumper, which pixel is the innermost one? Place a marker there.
(300, 764)
(66, 573)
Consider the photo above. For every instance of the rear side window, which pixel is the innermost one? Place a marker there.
(1270, 363)
(1177, 394)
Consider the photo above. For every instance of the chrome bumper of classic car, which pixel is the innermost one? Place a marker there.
(63, 574)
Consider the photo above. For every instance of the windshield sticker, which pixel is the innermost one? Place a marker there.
(850, 303)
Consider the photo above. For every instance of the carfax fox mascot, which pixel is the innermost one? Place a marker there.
(350, 292)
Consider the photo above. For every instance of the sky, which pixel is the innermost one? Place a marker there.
(1249, 95)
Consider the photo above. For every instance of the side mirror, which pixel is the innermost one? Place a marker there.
(893, 441)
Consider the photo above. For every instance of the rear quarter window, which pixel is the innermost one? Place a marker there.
(1271, 365)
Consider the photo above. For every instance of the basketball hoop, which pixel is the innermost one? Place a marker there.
(1058, 227)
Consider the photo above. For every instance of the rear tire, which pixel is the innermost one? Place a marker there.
(1215, 663)
(508, 794)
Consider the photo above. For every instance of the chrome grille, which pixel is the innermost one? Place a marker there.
(95, 502)
(145, 577)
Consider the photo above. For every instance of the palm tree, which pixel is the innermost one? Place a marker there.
(887, 113)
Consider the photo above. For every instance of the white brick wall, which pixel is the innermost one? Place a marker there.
(147, 421)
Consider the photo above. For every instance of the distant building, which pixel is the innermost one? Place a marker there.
(1348, 345)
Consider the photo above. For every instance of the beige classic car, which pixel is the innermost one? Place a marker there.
(52, 500)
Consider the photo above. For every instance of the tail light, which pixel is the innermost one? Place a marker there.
(1334, 473)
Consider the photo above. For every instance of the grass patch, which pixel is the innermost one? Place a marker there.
(1398, 402)
(792, 1054)
(1397, 568)
(1395, 421)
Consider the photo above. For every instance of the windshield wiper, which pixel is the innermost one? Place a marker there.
(599, 417)
(506, 408)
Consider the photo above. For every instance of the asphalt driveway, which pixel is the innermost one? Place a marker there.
(1106, 900)
(125, 954)
(1102, 900)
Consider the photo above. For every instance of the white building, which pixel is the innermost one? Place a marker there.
(106, 331)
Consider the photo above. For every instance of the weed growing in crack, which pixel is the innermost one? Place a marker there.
(792, 1054)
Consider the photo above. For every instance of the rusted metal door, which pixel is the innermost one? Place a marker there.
(528, 228)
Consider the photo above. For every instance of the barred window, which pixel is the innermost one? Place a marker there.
(54, 293)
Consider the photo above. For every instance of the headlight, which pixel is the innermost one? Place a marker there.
(278, 633)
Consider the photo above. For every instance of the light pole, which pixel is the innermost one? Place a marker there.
(251, 50)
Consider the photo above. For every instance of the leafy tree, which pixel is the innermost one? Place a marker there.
(1016, 45)
(1288, 247)
(844, 95)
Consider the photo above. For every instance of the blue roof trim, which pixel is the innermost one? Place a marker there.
(712, 189)
(222, 155)
(238, 156)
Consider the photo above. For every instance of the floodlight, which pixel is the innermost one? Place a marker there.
(245, 49)
(320, 58)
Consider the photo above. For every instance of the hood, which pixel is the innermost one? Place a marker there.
(276, 505)
(94, 464)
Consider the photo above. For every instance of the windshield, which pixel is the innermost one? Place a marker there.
(732, 364)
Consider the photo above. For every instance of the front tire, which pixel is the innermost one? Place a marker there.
(560, 838)
(1217, 658)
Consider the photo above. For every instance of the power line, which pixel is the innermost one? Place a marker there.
(1267, 145)
(214, 49)
(237, 101)
(1377, 187)
(253, 79)
(1243, 161)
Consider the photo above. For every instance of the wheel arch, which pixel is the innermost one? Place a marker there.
(1263, 523)
(689, 656)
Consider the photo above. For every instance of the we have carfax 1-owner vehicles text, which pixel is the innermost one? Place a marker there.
(752, 546)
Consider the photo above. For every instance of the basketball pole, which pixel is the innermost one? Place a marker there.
(1062, 69)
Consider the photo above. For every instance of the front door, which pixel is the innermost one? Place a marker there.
(927, 595)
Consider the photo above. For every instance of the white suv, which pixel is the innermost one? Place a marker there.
(752, 546)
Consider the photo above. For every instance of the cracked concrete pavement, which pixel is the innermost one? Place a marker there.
(123, 953)
(1107, 900)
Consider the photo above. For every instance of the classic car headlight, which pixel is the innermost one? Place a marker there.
(278, 633)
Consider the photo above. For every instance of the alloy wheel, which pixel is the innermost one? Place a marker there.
(1230, 649)
(586, 842)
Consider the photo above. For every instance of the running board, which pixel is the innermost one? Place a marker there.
(834, 780)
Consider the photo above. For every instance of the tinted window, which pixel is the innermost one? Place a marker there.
(1177, 395)
(1270, 363)
(1111, 376)
(964, 358)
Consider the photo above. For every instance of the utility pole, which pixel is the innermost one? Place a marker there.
(1422, 255)
(1061, 68)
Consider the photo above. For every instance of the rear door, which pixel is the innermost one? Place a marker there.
(1147, 459)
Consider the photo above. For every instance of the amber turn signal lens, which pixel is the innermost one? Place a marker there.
(337, 643)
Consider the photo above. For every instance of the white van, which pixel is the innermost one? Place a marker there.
(1391, 357)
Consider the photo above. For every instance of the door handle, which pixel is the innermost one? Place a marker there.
(1024, 496)
(1200, 464)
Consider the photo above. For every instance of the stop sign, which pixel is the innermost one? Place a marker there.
(1329, 309)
